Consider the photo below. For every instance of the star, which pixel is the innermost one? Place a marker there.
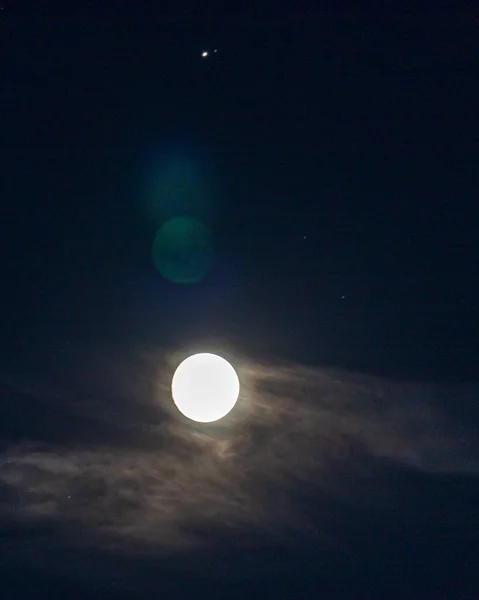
(207, 53)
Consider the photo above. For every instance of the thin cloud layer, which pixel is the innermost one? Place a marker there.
(302, 445)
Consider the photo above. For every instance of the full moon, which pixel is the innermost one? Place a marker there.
(205, 387)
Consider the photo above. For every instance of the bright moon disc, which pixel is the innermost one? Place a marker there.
(205, 387)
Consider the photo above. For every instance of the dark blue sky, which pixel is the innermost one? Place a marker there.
(333, 158)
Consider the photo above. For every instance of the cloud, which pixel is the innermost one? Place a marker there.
(302, 444)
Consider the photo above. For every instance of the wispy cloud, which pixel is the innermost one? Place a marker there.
(299, 437)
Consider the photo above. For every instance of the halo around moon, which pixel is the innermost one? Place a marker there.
(205, 387)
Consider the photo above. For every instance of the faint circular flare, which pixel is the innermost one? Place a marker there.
(205, 387)
(182, 251)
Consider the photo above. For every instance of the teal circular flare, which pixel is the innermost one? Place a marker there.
(182, 251)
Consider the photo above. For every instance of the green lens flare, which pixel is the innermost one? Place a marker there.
(182, 251)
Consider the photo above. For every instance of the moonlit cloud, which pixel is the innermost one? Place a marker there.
(301, 440)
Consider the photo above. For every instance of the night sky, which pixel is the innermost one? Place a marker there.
(295, 190)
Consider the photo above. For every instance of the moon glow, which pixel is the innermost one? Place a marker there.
(205, 387)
